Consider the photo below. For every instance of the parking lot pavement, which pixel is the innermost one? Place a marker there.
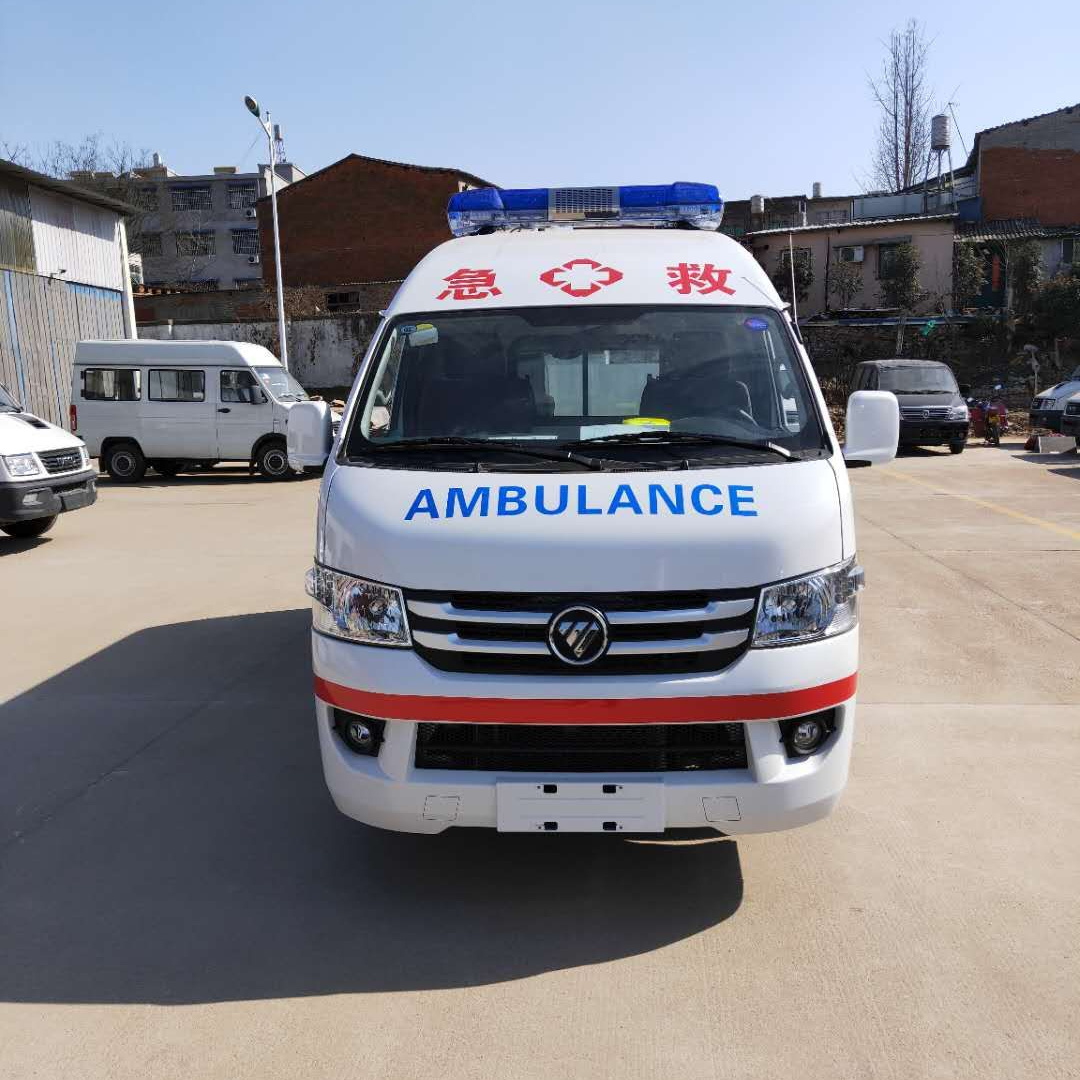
(178, 897)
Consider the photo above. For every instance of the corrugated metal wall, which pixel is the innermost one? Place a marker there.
(76, 237)
(40, 321)
(16, 241)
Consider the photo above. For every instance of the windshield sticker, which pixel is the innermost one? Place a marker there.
(702, 278)
(581, 277)
(466, 284)
(510, 500)
(754, 323)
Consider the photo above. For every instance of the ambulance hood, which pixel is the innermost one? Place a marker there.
(21, 433)
(583, 532)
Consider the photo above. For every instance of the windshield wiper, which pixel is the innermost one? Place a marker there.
(682, 438)
(459, 442)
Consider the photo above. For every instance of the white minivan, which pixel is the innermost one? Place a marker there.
(44, 472)
(172, 405)
(585, 554)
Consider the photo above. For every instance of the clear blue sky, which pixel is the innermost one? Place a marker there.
(756, 97)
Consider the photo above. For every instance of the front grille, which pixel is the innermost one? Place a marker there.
(649, 633)
(927, 412)
(587, 748)
(61, 461)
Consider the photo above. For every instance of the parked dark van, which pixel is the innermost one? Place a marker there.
(932, 409)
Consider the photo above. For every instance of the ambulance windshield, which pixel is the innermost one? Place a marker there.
(558, 375)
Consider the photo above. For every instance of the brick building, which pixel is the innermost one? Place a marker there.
(1030, 168)
(361, 219)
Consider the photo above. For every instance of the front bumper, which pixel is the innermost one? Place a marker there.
(775, 792)
(37, 498)
(1046, 418)
(932, 432)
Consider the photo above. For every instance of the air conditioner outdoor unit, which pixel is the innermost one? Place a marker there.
(251, 212)
(852, 254)
(253, 260)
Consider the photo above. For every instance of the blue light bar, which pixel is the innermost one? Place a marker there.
(482, 209)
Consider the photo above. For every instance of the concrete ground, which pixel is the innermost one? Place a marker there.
(178, 897)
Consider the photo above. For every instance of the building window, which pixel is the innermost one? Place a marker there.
(190, 198)
(886, 260)
(111, 384)
(191, 244)
(830, 217)
(147, 244)
(242, 196)
(247, 282)
(245, 241)
(1070, 250)
(146, 198)
(338, 301)
(803, 257)
(176, 385)
(732, 230)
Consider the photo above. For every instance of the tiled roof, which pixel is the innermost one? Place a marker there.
(1012, 229)
(862, 223)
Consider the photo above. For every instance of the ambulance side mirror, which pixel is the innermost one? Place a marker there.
(309, 434)
(872, 428)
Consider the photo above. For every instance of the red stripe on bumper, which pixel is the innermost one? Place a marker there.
(668, 710)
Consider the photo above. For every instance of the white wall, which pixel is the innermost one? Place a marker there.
(79, 238)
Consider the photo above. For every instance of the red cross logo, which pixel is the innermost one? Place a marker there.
(581, 277)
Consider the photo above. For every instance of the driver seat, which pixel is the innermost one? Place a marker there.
(703, 391)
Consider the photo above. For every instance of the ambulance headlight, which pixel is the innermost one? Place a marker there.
(809, 608)
(353, 609)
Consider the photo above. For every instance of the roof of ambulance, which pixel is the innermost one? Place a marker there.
(645, 261)
(149, 350)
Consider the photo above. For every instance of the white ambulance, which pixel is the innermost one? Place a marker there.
(585, 553)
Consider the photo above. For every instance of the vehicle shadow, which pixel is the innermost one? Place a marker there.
(166, 837)
(10, 545)
(221, 476)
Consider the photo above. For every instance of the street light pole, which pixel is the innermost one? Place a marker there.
(253, 108)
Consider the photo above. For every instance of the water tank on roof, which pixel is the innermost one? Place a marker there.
(817, 189)
(757, 204)
(939, 132)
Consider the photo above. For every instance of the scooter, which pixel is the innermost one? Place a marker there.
(989, 417)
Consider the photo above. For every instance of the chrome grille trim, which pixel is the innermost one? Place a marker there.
(715, 609)
(429, 610)
(726, 640)
(457, 643)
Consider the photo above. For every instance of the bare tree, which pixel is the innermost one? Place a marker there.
(902, 94)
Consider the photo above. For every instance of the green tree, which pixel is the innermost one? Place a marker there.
(1055, 308)
(1025, 273)
(845, 282)
(900, 286)
(804, 274)
(969, 275)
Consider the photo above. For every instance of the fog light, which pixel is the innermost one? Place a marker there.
(32, 499)
(361, 734)
(806, 736)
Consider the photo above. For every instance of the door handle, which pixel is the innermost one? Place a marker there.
(224, 410)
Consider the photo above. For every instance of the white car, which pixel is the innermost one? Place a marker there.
(170, 405)
(585, 550)
(44, 472)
